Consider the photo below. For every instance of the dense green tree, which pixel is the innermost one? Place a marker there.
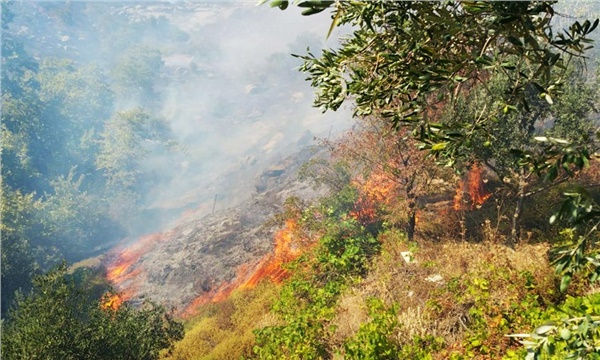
(409, 62)
(21, 111)
(126, 141)
(135, 75)
(127, 138)
(462, 76)
(78, 101)
(55, 196)
(76, 222)
(569, 118)
(18, 226)
(62, 319)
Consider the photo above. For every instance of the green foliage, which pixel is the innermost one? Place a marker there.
(375, 339)
(135, 74)
(501, 68)
(19, 218)
(572, 333)
(124, 143)
(346, 251)
(74, 220)
(495, 300)
(573, 108)
(307, 301)
(20, 118)
(54, 155)
(78, 101)
(405, 58)
(61, 320)
(577, 256)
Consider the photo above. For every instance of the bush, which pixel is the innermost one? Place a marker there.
(60, 319)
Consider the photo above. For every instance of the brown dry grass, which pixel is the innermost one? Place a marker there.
(395, 281)
(351, 313)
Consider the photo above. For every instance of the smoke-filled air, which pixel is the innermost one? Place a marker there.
(138, 114)
(306, 179)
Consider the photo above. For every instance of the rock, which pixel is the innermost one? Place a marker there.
(208, 251)
(408, 256)
(437, 278)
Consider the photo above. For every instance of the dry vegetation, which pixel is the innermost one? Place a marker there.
(224, 330)
(452, 292)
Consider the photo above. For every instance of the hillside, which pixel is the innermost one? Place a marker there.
(405, 259)
(361, 289)
(171, 189)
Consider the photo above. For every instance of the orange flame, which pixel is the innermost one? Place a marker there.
(476, 190)
(373, 191)
(111, 302)
(478, 194)
(458, 198)
(269, 267)
(120, 271)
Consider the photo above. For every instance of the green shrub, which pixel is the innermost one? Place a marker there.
(376, 339)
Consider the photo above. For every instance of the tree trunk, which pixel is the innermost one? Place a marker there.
(412, 222)
(412, 209)
(515, 233)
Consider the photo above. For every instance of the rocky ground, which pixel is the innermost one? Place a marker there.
(199, 254)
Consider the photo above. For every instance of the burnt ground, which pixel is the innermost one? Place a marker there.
(201, 253)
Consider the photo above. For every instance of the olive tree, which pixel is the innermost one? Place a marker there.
(409, 62)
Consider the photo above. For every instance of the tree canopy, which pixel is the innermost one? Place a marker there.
(63, 318)
(476, 81)
(70, 163)
(407, 60)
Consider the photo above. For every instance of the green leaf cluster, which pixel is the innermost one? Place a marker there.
(307, 301)
(62, 319)
(375, 339)
(572, 333)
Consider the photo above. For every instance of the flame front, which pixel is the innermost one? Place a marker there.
(121, 272)
(373, 191)
(269, 267)
(111, 302)
(474, 184)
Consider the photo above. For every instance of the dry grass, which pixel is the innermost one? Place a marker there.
(92, 263)
(224, 330)
(411, 285)
(351, 313)
(428, 307)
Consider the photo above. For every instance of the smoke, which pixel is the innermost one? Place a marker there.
(220, 75)
(235, 100)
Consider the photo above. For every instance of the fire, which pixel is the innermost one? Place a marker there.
(269, 267)
(475, 186)
(120, 270)
(111, 301)
(458, 198)
(376, 189)
(478, 194)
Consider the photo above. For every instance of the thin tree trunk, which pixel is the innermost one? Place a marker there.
(412, 222)
(515, 233)
(412, 210)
